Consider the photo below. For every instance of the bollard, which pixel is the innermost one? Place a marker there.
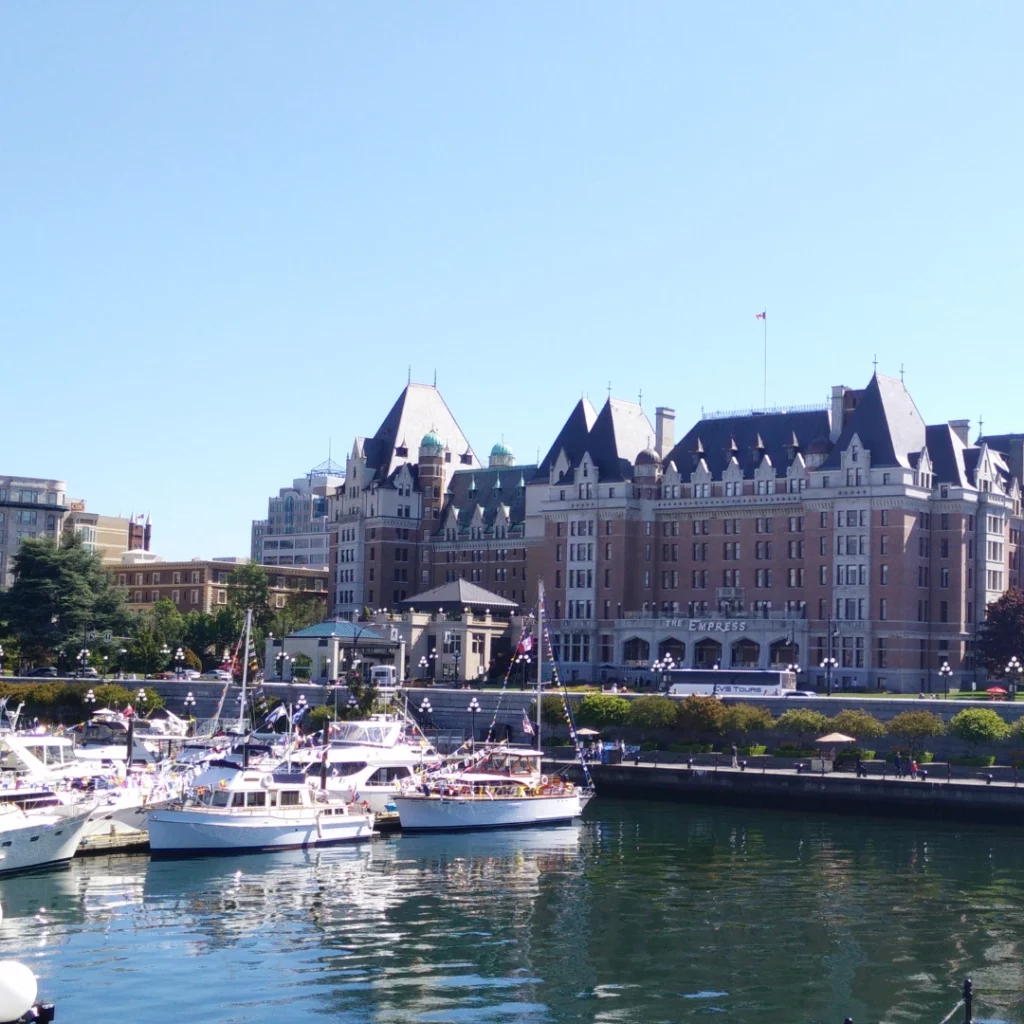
(885, 769)
(968, 998)
(716, 762)
(689, 763)
(636, 759)
(922, 774)
(949, 773)
(799, 767)
(988, 779)
(743, 766)
(847, 1020)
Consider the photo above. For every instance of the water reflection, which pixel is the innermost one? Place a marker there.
(643, 913)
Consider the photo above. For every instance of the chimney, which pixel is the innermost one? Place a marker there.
(962, 429)
(664, 430)
(836, 420)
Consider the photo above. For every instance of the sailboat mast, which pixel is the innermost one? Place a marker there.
(539, 644)
(245, 673)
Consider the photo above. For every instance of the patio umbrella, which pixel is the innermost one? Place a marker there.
(995, 689)
(587, 732)
(836, 737)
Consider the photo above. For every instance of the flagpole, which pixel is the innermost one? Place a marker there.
(764, 395)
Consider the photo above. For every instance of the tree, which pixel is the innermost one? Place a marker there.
(916, 725)
(601, 709)
(1001, 636)
(60, 592)
(168, 623)
(744, 718)
(653, 712)
(146, 649)
(856, 722)
(978, 725)
(801, 722)
(249, 587)
(701, 716)
(299, 611)
(552, 710)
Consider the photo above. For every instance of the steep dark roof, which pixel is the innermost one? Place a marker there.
(621, 431)
(1011, 446)
(419, 410)
(494, 487)
(946, 452)
(887, 423)
(572, 437)
(459, 594)
(775, 431)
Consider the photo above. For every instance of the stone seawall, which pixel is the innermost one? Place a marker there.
(998, 803)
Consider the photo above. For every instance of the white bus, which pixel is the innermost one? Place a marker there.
(730, 682)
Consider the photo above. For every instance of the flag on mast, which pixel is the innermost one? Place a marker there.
(761, 316)
(527, 724)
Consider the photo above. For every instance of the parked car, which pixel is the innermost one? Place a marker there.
(800, 693)
(87, 673)
(44, 670)
(191, 673)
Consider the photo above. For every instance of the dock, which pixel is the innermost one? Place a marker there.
(96, 846)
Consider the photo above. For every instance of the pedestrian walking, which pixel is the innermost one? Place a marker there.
(861, 770)
(735, 757)
(899, 766)
(913, 769)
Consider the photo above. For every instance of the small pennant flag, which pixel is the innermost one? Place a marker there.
(527, 725)
(526, 644)
(761, 316)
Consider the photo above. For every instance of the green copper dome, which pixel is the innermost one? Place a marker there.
(501, 449)
(431, 440)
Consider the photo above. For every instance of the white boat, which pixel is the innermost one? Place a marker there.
(502, 788)
(39, 837)
(368, 761)
(231, 809)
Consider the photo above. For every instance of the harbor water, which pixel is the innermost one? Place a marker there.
(643, 912)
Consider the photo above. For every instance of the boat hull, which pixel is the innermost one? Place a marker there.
(189, 831)
(421, 813)
(36, 840)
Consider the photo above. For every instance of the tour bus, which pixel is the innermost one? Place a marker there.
(730, 682)
(384, 675)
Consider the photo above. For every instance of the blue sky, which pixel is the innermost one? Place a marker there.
(229, 228)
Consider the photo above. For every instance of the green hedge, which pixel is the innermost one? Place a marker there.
(974, 762)
(690, 748)
(753, 750)
(854, 753)
(925, 757)
(794, 752)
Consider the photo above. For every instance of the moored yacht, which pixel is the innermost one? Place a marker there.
(40, 836)
(231, 809)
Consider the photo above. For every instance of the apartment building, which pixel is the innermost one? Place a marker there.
(29, 507)
(296, 530)
(109, 536)
(203, 585)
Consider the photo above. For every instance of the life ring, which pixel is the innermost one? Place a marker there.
(543, 780)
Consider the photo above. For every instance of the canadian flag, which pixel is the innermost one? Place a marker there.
(526, 644)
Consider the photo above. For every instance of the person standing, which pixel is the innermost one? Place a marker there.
(899, 765)
(735, 756)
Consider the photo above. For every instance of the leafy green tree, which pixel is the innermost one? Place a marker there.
(856, 722)
(59, 593)
(914, 726)
(1001, 636)
(978, 725)
(701, 716)
(199, 634)
(801, 722)
(302, 666)
(299, 611)
(145, 650)
(652, 712)
(250, 588)
(552, 710)
(602, 709)
(744, 718)
(168, 623)
(318, 717)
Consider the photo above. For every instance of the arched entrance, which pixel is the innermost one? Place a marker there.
(783, 653)
(707, 653)
(636, 652)
(672, 648)
(745, 653)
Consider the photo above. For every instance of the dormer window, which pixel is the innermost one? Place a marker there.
(853, 453)
(466, 459)
(402, 452)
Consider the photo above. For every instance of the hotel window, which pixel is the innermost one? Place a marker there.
(121, 579)
(175, 596)
(883, 576)
(823, 575)
(943, 611)
(647, 579)
(884, 544)
(851, 608)
(194, 577)
(823, 520)
(825, 482)
(944, 578)
(193, 597)
(222, 597)
(138, 596)
(882, 656)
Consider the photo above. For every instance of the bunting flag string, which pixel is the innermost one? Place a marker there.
(570, 719)
(524, 644)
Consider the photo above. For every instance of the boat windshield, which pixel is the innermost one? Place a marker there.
(366, 734)
(53, 754)
(336, 769)
(506, 763)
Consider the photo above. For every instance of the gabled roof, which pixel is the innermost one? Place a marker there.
(342, 629)
(887, 422)
(714, 438)
(494, 487)
(621, 431)
(419, 410)
(572, 437)
(459, 593)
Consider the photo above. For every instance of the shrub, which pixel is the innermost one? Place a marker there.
(701, 715)
(753, 750)
(916, 725)
(853, 753)
(1017, 729)
(552, 710)
(601, 709)
(801, 722)
(978, 725)
(794, 752)
(980, 761)
(650, 745)
(690, 748)
(743, 718)
(652, 712)
(924, 757)
(856, 722)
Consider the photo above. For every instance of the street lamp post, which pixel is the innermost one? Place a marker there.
(794, 667)
(179, 658)
(473, 708)
(1013, 672)
(300, 707)
(190, 706)
(524, 660)
(423, 668)
(104, 667)
(945, 672)
(426, 710)
(140, 698)
(120, 661)
(828, 664)
(83, 661)
(165, 655)
(1, 659)
(89, 700)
